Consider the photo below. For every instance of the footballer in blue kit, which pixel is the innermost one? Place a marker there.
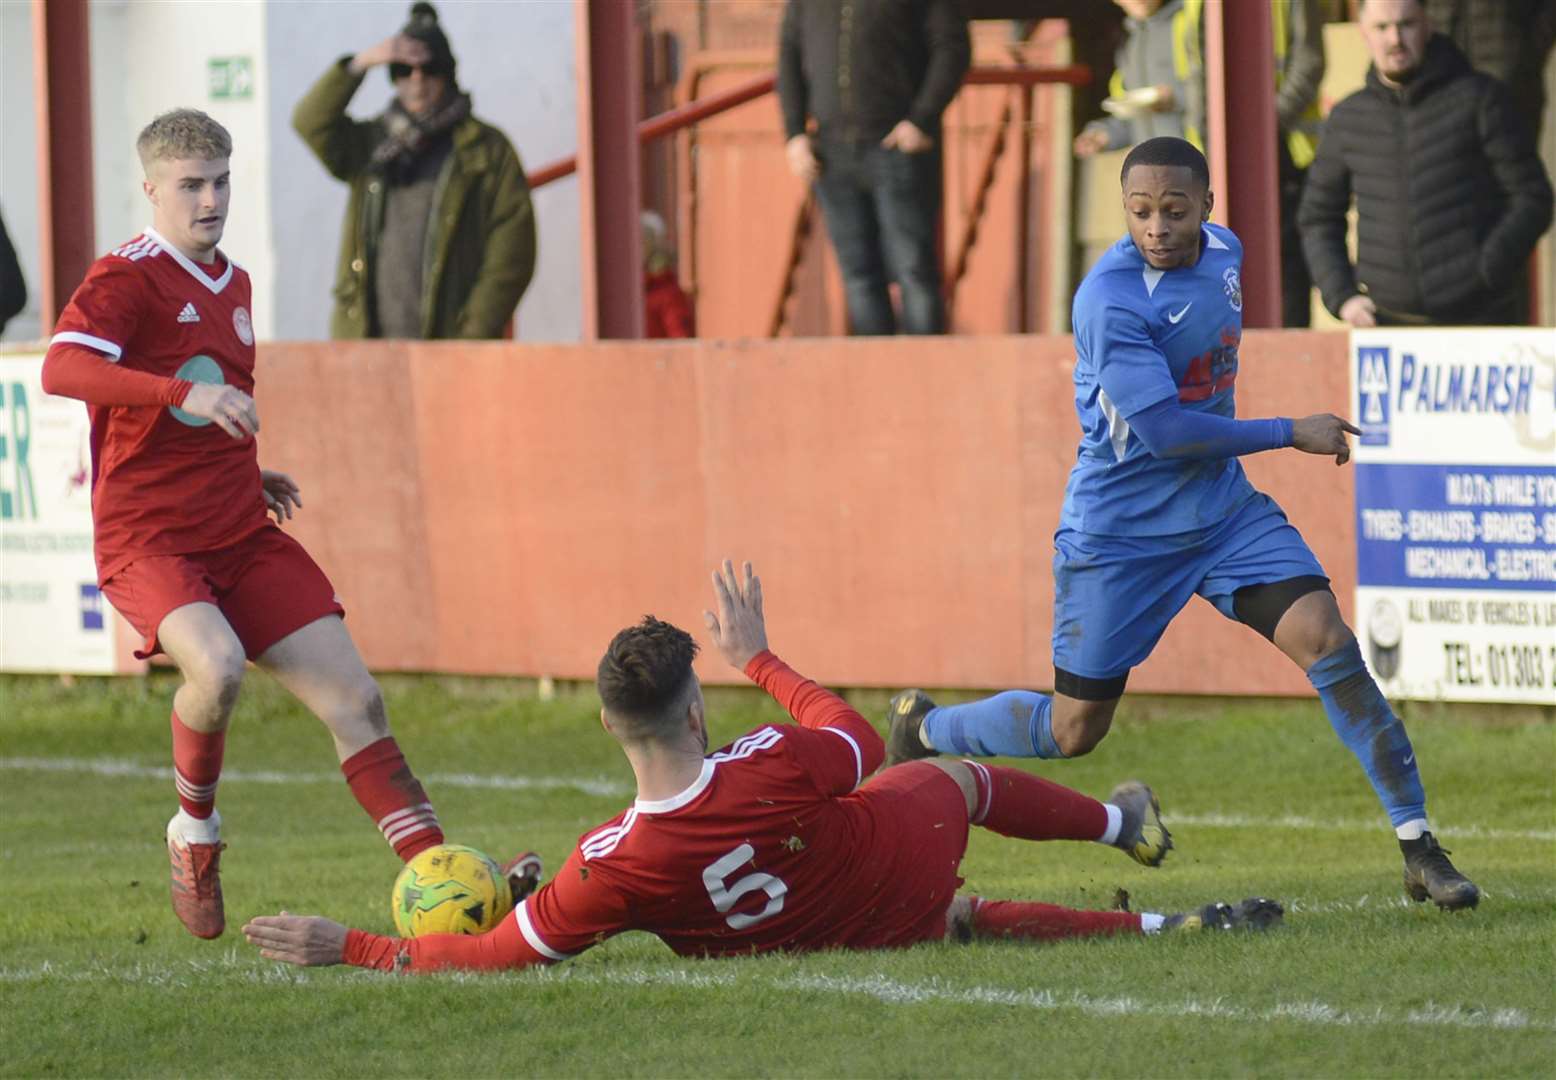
(1158, 509)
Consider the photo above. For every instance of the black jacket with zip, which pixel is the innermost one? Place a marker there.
(860, 66)
(1450, 196)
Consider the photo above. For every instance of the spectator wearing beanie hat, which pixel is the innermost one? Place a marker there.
(439, 235)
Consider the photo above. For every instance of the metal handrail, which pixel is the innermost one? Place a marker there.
(969, 238)
(667, 123)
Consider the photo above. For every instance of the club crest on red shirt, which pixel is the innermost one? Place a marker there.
(245, 329)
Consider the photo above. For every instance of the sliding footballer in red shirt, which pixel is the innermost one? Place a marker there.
(159, 343)
(773, 843)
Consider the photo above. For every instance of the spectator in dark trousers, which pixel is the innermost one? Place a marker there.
(875, 75)
(1506, 39)
(1450, 197)
(13, 287)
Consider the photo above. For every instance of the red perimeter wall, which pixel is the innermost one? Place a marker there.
(504, 509)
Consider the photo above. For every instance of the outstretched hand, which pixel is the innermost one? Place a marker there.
(738, 630)
(1323, 433)
(306, 940)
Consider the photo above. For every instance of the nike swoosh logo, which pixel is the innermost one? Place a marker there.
(1409, 759)
(1176, 317)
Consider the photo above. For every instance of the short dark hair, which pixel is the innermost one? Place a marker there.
(644, 673)
(1167, 150)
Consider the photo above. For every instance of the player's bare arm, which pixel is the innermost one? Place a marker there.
(306, 940)
(738, 629)
(399, 49)
(1323, 433)
(282, 495)
(225, 406)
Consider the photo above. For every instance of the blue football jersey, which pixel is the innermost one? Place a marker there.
(1144, 336)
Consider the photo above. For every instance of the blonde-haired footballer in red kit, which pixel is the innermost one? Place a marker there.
(159, 343)
(775, 842)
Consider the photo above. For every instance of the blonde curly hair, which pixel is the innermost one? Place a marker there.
(180, 134)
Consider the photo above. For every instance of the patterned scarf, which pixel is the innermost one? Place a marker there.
(407, 137)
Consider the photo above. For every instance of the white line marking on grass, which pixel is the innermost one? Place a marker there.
(605, 787)
(1294, 821)
(138, 771)
(892, 992)
(887, 991)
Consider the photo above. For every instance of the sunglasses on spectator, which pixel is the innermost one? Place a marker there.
(428, 71)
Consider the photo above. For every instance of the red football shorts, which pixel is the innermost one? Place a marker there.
(920, 836)
(266, 585)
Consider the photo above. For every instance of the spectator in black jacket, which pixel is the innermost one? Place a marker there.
(1507, 39)
(875, 75)
(1450, 197)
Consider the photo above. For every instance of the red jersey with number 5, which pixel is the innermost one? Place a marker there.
(766, 850)
(165, 482)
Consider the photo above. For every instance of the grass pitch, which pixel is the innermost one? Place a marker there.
(98, 979)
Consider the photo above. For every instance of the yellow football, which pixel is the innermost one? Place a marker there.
(450, 889)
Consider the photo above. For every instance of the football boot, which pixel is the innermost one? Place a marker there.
(196, 884)
(1142, 835)
(523, 873)
(1255, 913)
(904, 716)
(1428, 873)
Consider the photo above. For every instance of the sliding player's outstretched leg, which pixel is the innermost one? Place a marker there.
(1016, 803)
(320, 665)
(972, 917)
(1312, 632)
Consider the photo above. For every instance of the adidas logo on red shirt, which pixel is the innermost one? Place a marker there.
(189, 314)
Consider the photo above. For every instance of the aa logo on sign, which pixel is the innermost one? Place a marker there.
(1372, 385)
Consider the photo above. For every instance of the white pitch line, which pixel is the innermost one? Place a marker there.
(136, 771)
(605, 787)
(892, 992)
(880, 988)
(1306, 824)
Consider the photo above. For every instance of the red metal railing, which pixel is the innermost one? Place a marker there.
(667, 123)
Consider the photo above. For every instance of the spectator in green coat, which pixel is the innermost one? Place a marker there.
(439, 236)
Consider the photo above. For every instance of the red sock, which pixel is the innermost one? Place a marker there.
(1046, 922)
(392, 796)
(1016, 803)
(197, 763)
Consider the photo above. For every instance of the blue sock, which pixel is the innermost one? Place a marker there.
(1017, 723)
(1362, 718)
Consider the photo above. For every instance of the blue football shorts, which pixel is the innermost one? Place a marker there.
(1115, 595)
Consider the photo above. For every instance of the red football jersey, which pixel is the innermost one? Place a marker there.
(165, 482)
(767, 849)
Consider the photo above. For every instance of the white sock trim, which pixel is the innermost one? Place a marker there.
(1115, 824)
(188, 829)
(1151, 922)
(1412, 829)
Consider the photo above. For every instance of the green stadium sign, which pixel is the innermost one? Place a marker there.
(231, 77)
